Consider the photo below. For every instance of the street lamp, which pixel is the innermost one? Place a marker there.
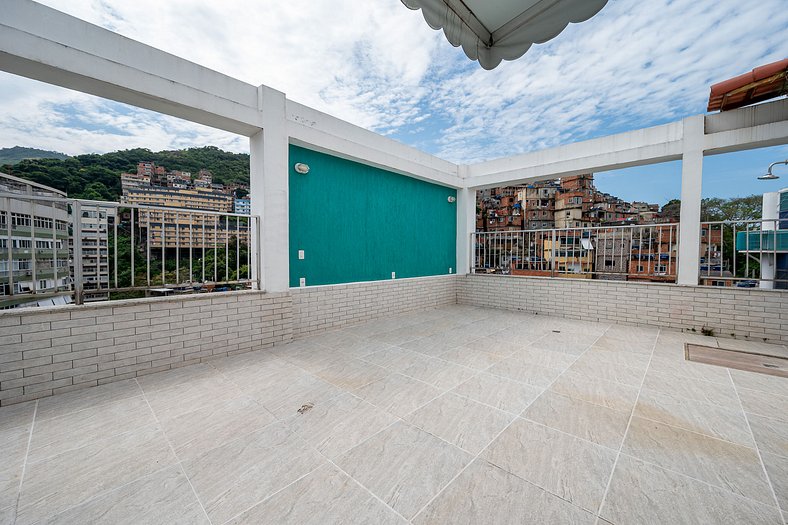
(769, 175)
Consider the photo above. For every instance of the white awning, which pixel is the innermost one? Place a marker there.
(493, 30)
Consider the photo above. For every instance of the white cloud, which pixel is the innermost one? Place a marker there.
(378, 65)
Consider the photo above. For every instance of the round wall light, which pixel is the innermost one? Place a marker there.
(452, 198)
(301, 168)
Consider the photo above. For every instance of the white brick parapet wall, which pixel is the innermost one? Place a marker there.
(45, 351)
(743, 313)
(320, 308)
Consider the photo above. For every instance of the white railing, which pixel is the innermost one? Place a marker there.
(744, 253)
(55, 250)
(633, 252)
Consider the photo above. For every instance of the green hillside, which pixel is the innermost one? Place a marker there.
(97, 177)
(18, 153)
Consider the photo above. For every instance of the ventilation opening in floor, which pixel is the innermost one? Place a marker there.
(763, 363)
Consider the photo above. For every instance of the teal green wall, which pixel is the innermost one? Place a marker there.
(358, 223)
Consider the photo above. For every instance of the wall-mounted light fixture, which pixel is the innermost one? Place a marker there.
(769, 175)
(301, 168)
(452, 198)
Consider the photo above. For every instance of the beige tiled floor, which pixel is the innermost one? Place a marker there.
(454, 415)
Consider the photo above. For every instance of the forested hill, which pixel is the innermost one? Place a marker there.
(97, 177)
(18, 153)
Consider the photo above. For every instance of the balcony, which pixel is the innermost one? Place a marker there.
(391, 372)
(451, 414)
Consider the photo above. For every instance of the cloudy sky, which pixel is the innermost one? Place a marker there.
(377, 64)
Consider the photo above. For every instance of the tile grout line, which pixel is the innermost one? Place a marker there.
(357, 482)
(477, 456)
(517, 416)
(172, 449)
(24, 463)
(758, 450)
(626, 431)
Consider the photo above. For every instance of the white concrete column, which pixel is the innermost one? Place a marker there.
(770, 214)
(466, 224)
(691, 183)
(268, 190)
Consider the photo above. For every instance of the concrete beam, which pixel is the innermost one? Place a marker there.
(43, 43)
(633, 148)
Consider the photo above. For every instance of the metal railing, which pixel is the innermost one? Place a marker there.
(744, 253)
(632, 252)
(55, 250)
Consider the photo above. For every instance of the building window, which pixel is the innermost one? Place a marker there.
(23, 243)
(18, 219)
(660, 268)
(641, 268)
(42, 284)
(610, 262)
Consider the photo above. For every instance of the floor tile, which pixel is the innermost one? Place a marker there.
(404, 466)
(534, 355)
(641, 493)
(632, 345)
(235, 476)
(615, 373)
(162, 497)
(470, 357)
(63, 404)
(13, 444)
(484, 493)
(614, 358)
(777, 470)
(196, 432)
(568, 467)
(761, 382)
(60, 482)
(185, 375)
(597, 391)
(284, 395)
(394, 358)
(437, 344)
(722, 395)
(327, 496)
(499, 392)
(190, 395)
(683, 368)
(17, 415)
(573, 343)
(437, 372)
(461, 421)
(599, 424)
(9, 485)
(352, 374)
(726, 423)
(770, 434)
(400, 395)
(316, 360)
(535, 375)
(763, 404)
(56, 435)
(339, 424)
(720, 463)
(259, 360)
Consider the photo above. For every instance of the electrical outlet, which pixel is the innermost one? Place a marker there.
(301, 254)
(302, 282)
(393, 275)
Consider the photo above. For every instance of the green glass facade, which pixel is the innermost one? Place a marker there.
(359, 223)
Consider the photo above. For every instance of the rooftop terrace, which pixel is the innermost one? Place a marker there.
(451, 415)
